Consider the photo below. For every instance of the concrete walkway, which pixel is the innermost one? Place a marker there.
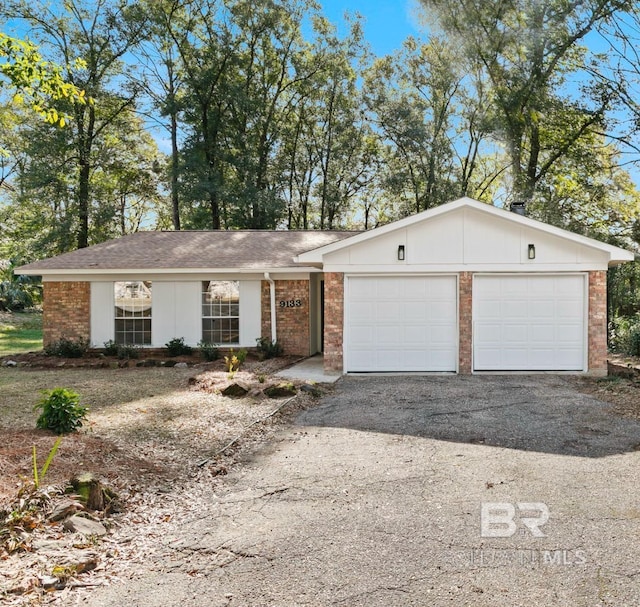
(311, 370)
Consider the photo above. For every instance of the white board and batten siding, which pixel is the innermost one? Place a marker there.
(176, 312)
(532, 322)
(465, 240)
(401, 323)
(102, 313)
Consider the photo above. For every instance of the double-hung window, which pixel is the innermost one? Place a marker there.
(133, 312)
(221, 312)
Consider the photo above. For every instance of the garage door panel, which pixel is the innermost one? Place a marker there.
(408, 323)
(442, 336)
(489, 309)
(567, 308)
(414, 289)
(567, 356)
(540, 310)
(388, 311)
(514, 333)
(541, 325)
(570, 285)
(570, 334)
(539, 357)
(415, 335)
(517, 311)
(363, 309)
(386, 336)
(363, 291)
(441, 311)
(363, 336)
(541, 333)
(416, 311)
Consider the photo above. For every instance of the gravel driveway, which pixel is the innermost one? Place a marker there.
(375, 497)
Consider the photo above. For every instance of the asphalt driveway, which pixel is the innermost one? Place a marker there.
(480, 490)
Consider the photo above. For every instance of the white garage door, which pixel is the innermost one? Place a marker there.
(401, 323)
(528, 323)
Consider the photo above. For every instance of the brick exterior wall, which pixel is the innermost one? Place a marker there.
(465, 325)
(66, 311)
(292, 323)
(597, 346)
(333, 321)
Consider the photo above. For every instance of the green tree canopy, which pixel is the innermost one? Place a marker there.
(35, 82)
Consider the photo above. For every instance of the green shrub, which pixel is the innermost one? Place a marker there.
(18, 292)
(67, 348)
(127, 352)
(177, 347)
(624, 335)
(111, 348)
(61, 411)
(241, 356)
(208, 351)
(267, 348)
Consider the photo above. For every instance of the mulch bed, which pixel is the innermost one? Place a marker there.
(158, 437)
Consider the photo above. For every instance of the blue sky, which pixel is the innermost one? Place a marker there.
(386, 22)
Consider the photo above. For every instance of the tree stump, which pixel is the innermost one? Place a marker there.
(93, 494)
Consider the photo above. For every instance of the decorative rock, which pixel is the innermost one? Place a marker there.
(9, 363)
(80, 524)
(236, 389)
(181, 365)
(50, 581)
(311, 389)
(170, 363)
(280, 391)
(64, 509)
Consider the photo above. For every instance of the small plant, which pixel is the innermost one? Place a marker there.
(242, 356)
(261, 378)
(38, 476)
(177, 347)
(67, 348)
(61, 411)
(127, 352)
(111, 348)
(231, 362)
(208, 351)
(267, 348)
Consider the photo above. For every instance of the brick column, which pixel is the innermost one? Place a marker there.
(597, 347)
(465, 325)
(66, 311)
(333, 321)
(292, 322)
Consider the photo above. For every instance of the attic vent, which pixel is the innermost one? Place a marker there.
(518, 207)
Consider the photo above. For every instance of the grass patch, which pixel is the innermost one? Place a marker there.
(20, 332)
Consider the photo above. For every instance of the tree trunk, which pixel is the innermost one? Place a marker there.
(175, 201)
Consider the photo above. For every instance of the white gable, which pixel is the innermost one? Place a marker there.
(466, 235)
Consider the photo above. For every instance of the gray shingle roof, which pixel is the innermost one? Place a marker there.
(241, 249)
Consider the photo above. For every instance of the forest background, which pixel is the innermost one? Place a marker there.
(264, 114)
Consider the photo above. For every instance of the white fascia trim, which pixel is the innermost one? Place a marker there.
(455, 268)
(616, 254)
(168, 271)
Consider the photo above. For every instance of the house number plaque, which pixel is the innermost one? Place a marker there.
(291, 303)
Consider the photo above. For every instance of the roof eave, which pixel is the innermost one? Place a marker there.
(26, 271)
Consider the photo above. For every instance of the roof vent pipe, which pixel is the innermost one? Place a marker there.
(518, 207)
(272, 294)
